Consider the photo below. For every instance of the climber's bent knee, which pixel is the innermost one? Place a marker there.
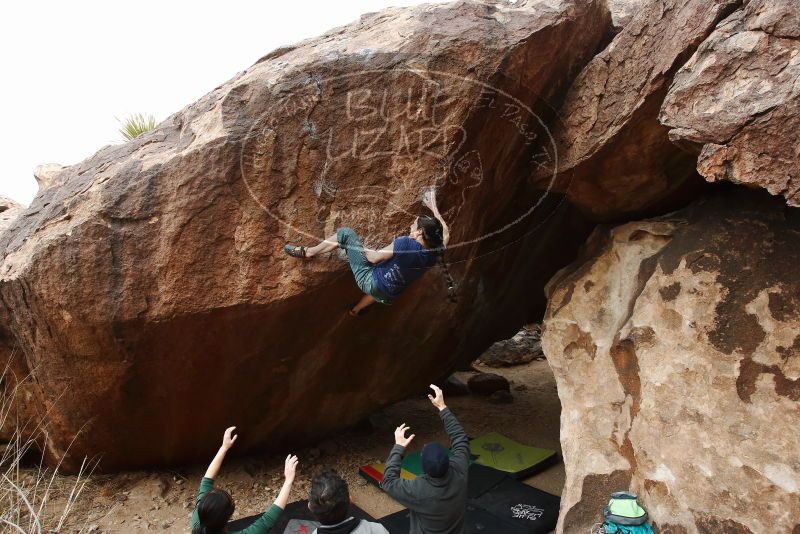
(347, 236)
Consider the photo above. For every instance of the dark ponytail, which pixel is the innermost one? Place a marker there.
(452, 291)
(433, 234)
(214, 510)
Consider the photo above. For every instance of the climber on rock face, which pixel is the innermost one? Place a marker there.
(383, 274)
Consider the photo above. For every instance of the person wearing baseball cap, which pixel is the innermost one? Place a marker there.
(437, 499)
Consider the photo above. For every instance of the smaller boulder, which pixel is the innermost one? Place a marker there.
(9, 210)
(485, 384)
(454, 387)
(47, 175)
(523, 348)
(501, 397)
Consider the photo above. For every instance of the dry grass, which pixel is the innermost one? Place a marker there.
(27, 487)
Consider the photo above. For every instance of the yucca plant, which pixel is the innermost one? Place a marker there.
(136, 125)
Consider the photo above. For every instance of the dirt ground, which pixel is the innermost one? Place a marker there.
(163, 500)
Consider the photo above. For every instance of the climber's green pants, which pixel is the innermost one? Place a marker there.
(361, 267)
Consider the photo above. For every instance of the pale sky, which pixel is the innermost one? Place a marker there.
(70, 68)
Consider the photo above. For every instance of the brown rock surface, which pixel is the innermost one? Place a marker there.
(9, 210)
(47, 175)
(146, 289)
(622, 11)
(614, 158)
(675, 347)
(737, 100)
(524, 347)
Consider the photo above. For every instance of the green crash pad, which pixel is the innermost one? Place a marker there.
(413, 462)
(504, 454)
(374, 473)
(410, 468)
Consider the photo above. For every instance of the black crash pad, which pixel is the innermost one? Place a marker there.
(481, 479)
(296, 510)
(533, 510)
(476, 521)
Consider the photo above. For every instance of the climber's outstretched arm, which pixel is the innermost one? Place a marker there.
(227, 442)
(429, 200)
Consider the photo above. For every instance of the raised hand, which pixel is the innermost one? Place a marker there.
(400, 435)
(290, 467)
(289, 470)
(437, 399)
(229, 438)
(429, 198)
(216, 463)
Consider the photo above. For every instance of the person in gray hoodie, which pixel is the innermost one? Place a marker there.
(437, 499)
(329, 502)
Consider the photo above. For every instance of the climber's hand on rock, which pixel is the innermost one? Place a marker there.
(290, 467)
(400, 435)
(229, 438)
(437, 399)
(429, 198)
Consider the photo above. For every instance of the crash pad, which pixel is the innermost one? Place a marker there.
(413, 462)
(504, 454)
(301, 526)
(524, 506)
(374, 473)
(476, 521)
(481, 479)
(298, 511)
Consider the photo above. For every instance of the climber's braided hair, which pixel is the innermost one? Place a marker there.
(329, 498)
(214, 510)
(433, 234)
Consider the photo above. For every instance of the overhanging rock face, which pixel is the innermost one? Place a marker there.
(615, 159)
(676, 350)
(737, 100)
(145, 288)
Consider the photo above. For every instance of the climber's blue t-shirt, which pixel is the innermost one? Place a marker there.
(409, 262)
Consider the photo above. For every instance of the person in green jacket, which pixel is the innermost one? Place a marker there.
(214, 507)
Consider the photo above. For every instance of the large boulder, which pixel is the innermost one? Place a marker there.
(46, 175)
(524, 347)
(622, 11)
(10, 209)
(736, 102)
(146, 290)
(614, 158)
(676, 349)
